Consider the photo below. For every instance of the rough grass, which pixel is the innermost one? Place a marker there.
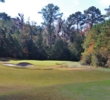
(28, 84)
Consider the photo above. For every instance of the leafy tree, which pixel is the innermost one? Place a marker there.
(56, 38)
(60, 51)
(50, 13)
(4, 16)
(76, 47)
(107, 12)
(21, 22)
(10, 45)
(2, 0)
(93, 15)
(76, 19)
(72, 25)
(96, 45)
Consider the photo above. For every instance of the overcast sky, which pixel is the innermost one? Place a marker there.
(30, 8)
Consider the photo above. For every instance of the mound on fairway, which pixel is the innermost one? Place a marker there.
(24, 64)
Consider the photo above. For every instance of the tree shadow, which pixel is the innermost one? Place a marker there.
(5, 59)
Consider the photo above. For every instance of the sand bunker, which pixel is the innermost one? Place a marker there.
(21, 64)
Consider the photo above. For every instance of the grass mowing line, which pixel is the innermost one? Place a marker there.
(48, 77)
(87, 90)
(73, 91)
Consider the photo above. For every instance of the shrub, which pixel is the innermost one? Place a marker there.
(86, 60)
(97, 45)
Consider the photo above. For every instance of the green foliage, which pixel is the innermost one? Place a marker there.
(86, 59)
(97, 44)
(76, 47)
(93, 16)
(2, 0)
(60, 50)
(76, 19)
(57, 38)
(4, 16)
(50, 13)
(107, 12)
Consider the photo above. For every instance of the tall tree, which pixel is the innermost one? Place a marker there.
(2, 0)
(4, 16)
(107, 12)
(50, 13)
(76, 19)
(93, 15)
(21, 18)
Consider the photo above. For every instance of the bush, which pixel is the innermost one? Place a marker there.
(108, 62)
(97, 45)
(95, 60)
(86, 60)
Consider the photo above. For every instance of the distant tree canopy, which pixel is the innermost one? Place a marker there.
(2, 0)
(83, 36)
(50, 13)
(107, 12)
(93, 16)
(76, 19)
(4, 16)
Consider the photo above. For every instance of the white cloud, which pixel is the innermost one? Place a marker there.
(104, 2)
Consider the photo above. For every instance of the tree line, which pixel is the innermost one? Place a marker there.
(55, 38)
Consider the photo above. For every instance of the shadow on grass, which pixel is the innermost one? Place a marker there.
(7, 59)
(4, 59)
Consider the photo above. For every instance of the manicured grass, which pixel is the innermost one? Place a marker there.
(87, 90)
(34, 84)
(74, 91)
(46, 64)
